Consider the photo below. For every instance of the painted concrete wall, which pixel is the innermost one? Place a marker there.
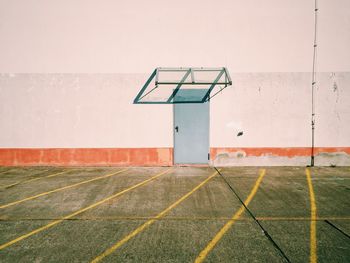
(131, 36)
(96, 111)
(70, 70)
(274, 110)
(80, 110)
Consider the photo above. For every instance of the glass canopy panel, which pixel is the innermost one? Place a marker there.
(182, 85)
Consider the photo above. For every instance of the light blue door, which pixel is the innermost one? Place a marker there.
(191, 133)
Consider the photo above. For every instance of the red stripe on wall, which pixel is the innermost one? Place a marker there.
(134, 156)
(87, 156)
(283, 152)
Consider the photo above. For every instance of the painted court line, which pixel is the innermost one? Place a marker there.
(203, 254)
(40, 229)
(150, 222)
(35, 179)
(337, 228)
(60, 189)
(313, 240)
(3, 172)
(172, 218)
(25, 180)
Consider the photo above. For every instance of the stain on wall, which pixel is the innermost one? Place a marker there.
(295, 156)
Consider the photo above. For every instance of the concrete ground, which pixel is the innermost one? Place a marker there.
(179, 214)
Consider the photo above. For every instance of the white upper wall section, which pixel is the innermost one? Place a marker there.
(97, 110)
(129, 36)
(79, 110)
(274, 110)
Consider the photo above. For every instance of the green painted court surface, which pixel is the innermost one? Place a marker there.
(52, 214)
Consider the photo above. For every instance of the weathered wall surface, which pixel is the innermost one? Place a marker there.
(86, 156)
(272, 110)
(80, 111)
(69, 71)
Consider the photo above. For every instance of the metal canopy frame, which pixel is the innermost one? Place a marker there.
(187, 79)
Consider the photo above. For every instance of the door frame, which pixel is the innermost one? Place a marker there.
(173, 131)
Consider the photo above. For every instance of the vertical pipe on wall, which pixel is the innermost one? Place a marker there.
(313, 88)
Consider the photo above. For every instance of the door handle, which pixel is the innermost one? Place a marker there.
(177, 128)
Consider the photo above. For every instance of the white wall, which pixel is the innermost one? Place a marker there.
(274, 110)
(267, 46)
(96, 110)
(131, 36)
(79, 111)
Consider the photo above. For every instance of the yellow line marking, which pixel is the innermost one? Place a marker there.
(169, 218)
(150, 222)
(35, 179)
(60, 189)
(203, 254)
(25, 180)
(313, 242)
(40, 229)
(55, 174)
(3, 172)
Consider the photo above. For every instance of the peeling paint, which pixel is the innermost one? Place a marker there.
(272, 158)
